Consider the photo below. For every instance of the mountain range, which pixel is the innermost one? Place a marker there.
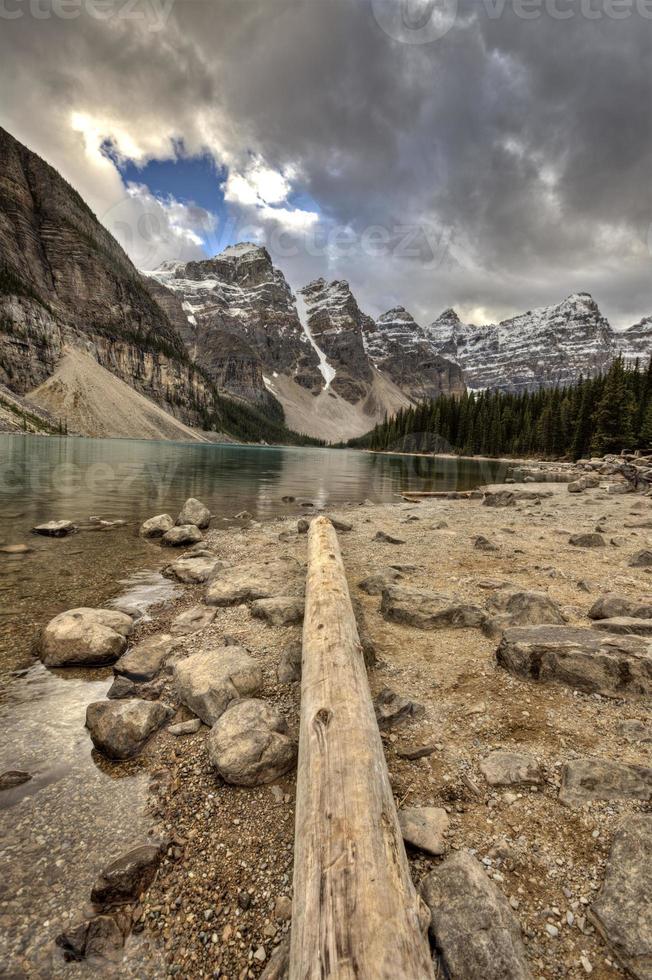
(223, 348)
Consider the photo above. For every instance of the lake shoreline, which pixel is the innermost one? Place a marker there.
(221, 899)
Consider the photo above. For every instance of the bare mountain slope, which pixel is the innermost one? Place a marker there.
(97, 403)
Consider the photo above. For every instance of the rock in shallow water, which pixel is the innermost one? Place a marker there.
(185, 534)
(84, 637)
(55, 529)
(97, 939)
(207, 681)
(127, 877)
(249, 745)
(623, 910)
(157, 526)
(13, 777)
(194, 512)
(477, 935)
(120, 729)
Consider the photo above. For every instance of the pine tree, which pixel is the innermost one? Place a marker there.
(615, 413)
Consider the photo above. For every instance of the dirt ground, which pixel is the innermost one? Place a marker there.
(220, 903)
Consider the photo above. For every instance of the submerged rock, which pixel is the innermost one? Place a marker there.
(126, 878)
(476, 934)
(11, 778)
(207, 681)
(584, 659)
(194, 512)
(120, 729)
(249, 744)
(55, 529)
(97, 939)
(84, 637)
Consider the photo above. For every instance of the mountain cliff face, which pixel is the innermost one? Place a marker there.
(636, 341)
(64, 281)
(547, 346)
(241, 321)
(399, 347)
(309, 351)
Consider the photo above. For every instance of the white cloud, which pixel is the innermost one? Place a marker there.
(152, 230)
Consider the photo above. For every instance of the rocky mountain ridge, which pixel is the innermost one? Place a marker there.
(329, 364)
(542, 347)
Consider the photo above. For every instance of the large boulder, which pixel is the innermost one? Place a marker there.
(194, 512)
(611, 605)
(583, 659)
(602, 779)
(157, 526)
(279, 610)
(253, 580)
(522, 609)
(120, 729)
(472, 926)
(81, 637)
(126, 878)
(424, 827)
(623, 910)
(250, 745)
(145, 660)
(182, 535)
(207, 681)
(428, 610)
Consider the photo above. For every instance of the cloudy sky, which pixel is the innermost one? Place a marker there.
(492, 155)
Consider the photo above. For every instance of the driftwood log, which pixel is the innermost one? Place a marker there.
(356, 914)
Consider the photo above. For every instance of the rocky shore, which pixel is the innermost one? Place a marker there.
(507, 638)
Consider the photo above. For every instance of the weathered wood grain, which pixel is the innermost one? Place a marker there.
(356, 913)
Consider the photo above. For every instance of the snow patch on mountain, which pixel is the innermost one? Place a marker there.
(328, 372)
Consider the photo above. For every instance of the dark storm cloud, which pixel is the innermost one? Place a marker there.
(520, 147)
